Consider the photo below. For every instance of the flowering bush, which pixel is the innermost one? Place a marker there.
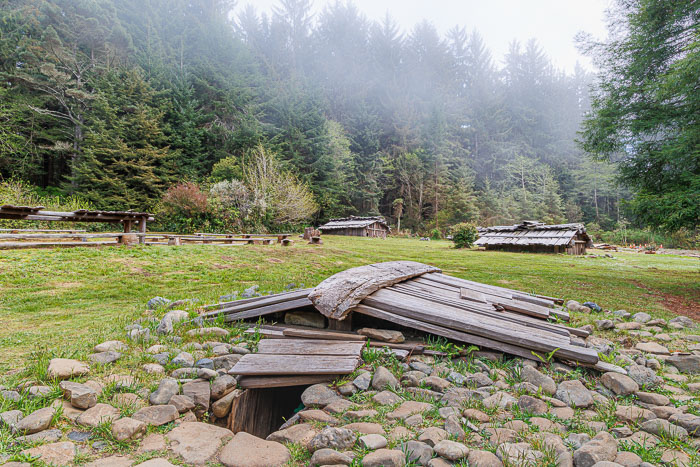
(184, 208)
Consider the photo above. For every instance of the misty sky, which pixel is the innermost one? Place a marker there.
(552, 22)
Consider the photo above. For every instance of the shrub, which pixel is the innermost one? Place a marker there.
(435, 234)
(185, 199)
(464, 234)
(184, 208)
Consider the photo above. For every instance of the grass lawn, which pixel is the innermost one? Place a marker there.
(56, 298)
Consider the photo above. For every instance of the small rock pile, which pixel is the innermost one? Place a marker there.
(162, 397)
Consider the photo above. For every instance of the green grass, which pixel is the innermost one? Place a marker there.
(58, 298)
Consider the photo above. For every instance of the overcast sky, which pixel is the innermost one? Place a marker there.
(552, 22)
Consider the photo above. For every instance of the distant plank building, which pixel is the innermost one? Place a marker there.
(357, 227)
(536, 237)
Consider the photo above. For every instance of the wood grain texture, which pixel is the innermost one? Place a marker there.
(335, 296)
(453, 318)
(261, 310)
(247, 382)
(445, 332)
(321, 334)
(238, 305)
(259, 364)
(473, 295)
(309, 347)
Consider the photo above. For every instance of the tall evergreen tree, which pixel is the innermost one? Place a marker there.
(646, 107)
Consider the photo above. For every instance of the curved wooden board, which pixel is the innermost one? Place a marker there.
(337, 295)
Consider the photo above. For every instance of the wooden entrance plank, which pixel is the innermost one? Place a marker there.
(251, 382)
(309, 347)
(260, 364)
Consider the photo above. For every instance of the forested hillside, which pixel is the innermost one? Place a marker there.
(182, 107)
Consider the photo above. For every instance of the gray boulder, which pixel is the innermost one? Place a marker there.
(157, 302)
(574, 394)
(167, 388)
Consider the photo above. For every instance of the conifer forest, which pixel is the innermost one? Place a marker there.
(215, 116)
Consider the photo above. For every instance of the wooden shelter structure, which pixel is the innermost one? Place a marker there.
(375, 227)
(536, 237)
(405, 295)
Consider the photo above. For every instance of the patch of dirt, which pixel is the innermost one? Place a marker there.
(131, 264)
(506, 282)
(673, 303)
(222, 266)
(228, 258)
(275, 260)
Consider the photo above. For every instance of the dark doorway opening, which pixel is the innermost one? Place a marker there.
(262, 411)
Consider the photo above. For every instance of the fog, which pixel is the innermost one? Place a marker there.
(434, 113)
(553, 23)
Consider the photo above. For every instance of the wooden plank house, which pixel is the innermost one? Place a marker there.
(536, 237)
(375, 227)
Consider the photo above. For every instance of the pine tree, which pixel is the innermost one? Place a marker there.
(126, 162)
(646, 108)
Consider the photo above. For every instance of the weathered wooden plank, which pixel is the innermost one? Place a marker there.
(247, 382)
(242, 304)
(525, 308)
(473, 295)
(453, 282)
(320, 334)
(28, 245)
(261, 311)
(492, 295)
(259, 364)
(444, 332)
(43, 230)
(451, 317)
(309, 347)
(50, 236)
(490, 314)
(335, 296)
(532, 298)
(277, 332)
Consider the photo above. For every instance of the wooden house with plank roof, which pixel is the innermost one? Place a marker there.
(375, 227)
(536, 237)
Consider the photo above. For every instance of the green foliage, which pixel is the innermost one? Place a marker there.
(118, 101)
(464, 235)
(645, 108)
(184, 208)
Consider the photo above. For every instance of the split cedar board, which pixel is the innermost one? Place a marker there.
(287, 357)
(308, 347)
(262, 364)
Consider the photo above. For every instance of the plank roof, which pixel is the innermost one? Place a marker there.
(353, 222)
(532, 233)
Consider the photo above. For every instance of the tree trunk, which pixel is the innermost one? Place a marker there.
(77, 140)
